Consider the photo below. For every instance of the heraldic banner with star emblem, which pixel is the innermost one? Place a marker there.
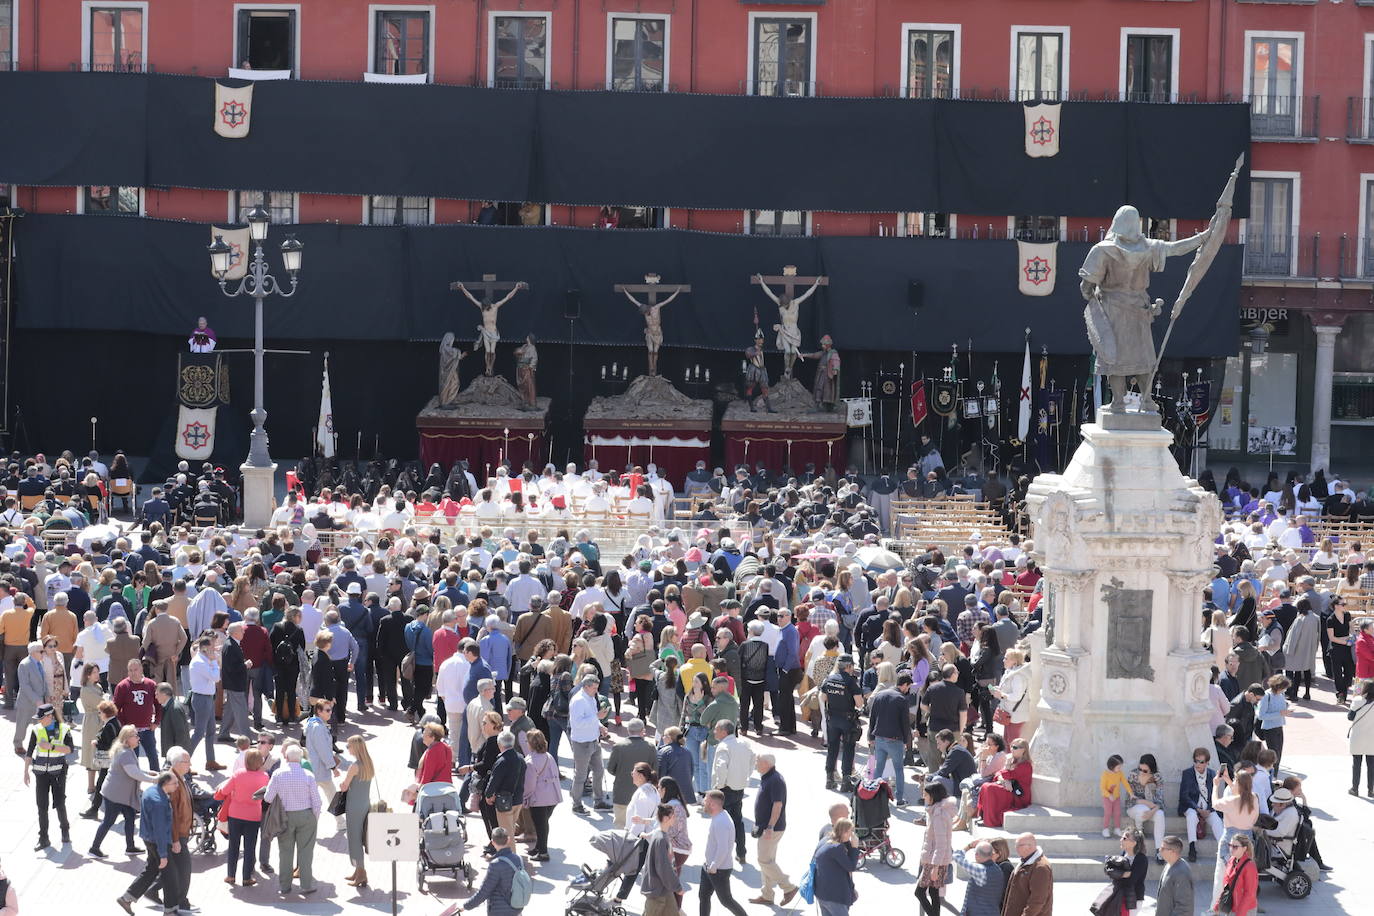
(233, 110)
(1042, 130)
(1036, 267)
(237, 240)
(202, 386)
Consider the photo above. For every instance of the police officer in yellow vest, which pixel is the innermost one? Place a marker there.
(47, 750)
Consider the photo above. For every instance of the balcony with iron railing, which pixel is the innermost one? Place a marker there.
(1282, 255)
(1359, 120)
(1356, 258)
(1285, 118)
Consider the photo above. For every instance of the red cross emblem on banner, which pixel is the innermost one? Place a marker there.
(1025, 393)
(1042, 131)
(1037, 270)
(233, 113)
(196, 435)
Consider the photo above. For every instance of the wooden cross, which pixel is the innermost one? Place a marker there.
(653, 289)
(789, 281)
(488, 286)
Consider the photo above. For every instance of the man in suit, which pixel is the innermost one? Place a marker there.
(1031, 890)
(1175, 897)
(175, 728)
(234, 680)
(952, 593)
(1195, 798)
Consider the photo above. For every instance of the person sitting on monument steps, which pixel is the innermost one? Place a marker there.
(1147, 798)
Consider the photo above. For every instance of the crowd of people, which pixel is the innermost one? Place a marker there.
(516, 657)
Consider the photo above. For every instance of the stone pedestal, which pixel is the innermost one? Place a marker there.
(258, 495)
(1125, 540)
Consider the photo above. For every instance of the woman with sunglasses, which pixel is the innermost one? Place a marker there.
(1242, 877)
(1147, 799)
(1236, 802)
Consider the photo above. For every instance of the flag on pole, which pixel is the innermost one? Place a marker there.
(1023, 419)
(918, 402)
(324, 427)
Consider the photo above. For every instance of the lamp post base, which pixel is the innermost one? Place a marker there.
(258, 495)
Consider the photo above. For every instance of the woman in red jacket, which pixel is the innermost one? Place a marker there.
(437, 763)
(1364, 651)
(996, 798)
(1242, 877)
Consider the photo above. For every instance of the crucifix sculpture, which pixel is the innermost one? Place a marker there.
(653, 329)
(488, 336)
(789, 304)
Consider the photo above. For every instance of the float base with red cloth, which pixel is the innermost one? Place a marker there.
(795, 435)
(485, 425)
(651, 423)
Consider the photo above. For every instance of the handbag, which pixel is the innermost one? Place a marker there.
(408, 666)
(807, 888)
(101, 759)
(379, 806)
(338, 804)
(504, 801)
(1001, 716)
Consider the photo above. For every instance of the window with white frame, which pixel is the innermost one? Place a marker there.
(1149, 67)
(1269, 231)
(520, 52)
(280, 204)
(925, 225)
(1039, 64)
(390, 210)
(1036, 228)
(778, 222)
(266, 38)
(115, 39)
(638, 53)
(931, 63)
(112, 200)
(401, 42)
(7, 36)
(782, 49)
(1274, 63)
(1366, 252)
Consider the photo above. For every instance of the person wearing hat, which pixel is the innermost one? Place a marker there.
(755, 374)
(48, 748)
(843, 698)
(355, 616)
(1285, 811)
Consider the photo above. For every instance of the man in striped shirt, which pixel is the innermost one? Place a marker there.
(301, 802)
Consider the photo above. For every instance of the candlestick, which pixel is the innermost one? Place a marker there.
(624, 372)
(708, 375)
(686, 375)
(603, 372)
(613, 369)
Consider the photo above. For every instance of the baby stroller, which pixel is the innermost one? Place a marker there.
(1280, 866)
(589, 890)
(443, 834)
(872, 811)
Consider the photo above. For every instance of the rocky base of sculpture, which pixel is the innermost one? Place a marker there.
(486, 396)
(650, 399)
(791, 400)
(1125, 541)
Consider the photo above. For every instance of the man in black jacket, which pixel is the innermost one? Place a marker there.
(1241, 716)
(391, 648)
(958, 764)
(233, 675)
(505, 786)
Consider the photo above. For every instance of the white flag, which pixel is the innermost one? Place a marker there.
(237, 240)
(1042, 130)
(858, 411)
(1024, 417)
(195, 432)
(324, 426)
(233, 110)
(1036, 267)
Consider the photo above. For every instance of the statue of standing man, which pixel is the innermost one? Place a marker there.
(1115, 279)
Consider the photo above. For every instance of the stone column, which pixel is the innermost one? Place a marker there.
(1322, 379)
(1127, 547)
(259, 496)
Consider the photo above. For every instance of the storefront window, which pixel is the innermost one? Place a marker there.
(1273, 410)
(1225, 432)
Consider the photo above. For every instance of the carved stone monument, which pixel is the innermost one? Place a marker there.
(1125, 542)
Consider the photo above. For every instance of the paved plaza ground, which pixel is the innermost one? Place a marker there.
(1316, 749)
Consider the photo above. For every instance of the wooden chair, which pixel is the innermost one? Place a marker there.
(28, 502)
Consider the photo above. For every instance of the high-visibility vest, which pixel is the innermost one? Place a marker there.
(50, 752)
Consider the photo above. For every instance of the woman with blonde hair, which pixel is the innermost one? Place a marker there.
(241, 599)
(1217, 639)
(357, 784)
(1012, 690)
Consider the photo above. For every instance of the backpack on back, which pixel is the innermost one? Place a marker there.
(520, 886)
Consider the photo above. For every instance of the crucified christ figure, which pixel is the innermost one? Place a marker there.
(789, 335)
(488, 335)
(653, 328)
